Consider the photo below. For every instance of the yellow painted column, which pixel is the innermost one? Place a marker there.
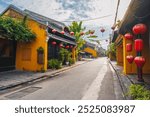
(117, 55)
(73, 54)
(45, 56)
(124, 57)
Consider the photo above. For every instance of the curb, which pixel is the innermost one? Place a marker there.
(41, 78)
(124, 86)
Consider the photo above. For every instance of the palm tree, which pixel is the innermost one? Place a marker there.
(78, 29)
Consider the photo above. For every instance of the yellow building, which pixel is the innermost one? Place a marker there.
(26, 56)
(126, 26)
(91, 49)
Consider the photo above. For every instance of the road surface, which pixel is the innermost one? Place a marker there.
(93, 80)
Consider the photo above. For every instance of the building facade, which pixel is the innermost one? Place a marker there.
(24, 56)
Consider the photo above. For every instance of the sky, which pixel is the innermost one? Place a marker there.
(76, 10)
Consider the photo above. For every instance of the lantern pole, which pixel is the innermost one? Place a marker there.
(139, 69)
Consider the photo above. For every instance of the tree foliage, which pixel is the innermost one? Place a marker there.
(77, 28)
(15, 30)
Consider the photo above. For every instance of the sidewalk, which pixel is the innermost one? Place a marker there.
(14, 78)
(127, 80)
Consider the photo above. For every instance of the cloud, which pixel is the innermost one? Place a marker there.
(63, 10)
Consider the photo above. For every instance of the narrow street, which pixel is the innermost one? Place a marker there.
(90, 81)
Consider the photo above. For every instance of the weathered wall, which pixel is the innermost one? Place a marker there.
(26, 54)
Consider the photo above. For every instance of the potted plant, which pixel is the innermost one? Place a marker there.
(40, 55)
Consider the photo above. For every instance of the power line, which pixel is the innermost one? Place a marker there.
(88, 19)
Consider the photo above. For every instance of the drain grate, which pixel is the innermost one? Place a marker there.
(22, 93)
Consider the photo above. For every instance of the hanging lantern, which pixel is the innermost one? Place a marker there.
(62, 32)
(72, 33)
(81, 33)
(54, 31)
(92, 32)
(138, 45)
(67, 46)
(130, 58)
(54, 43)
(139, 29)
(129, 47)
(128, 36)
(71, 46)
(113, 27)
(140, 61)
(60, 45)
(102, 30)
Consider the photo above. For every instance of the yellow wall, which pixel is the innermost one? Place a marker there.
(119, 54)
(92, 51)
(26, 54)
(132, 68)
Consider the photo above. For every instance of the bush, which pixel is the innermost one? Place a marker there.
(71, 61)
(15, 30)
(138, 92)
(64, 55)
(54, 64)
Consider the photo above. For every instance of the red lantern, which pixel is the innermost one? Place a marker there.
(91, 32)
(129, 47)
(138, 45)
(62, 32)
(71, 46)
(140, 61)
(60, 45)
(81, 33)
(139, 29)
(128, 36)
(67, 47)
(102, 30)
(54, 31)
(54, 43)
(72, 33)
(130, 58)
(113, 27)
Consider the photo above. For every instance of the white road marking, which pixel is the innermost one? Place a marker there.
(93, 91)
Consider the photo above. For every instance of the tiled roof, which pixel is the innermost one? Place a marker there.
(43, 19)
(37, 17)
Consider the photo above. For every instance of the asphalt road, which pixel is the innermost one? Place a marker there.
(90, 81)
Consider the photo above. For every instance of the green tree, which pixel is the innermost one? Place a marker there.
(78, 29)
(15, 30)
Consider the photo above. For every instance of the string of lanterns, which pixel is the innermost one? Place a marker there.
(139, 60)
(54, 43)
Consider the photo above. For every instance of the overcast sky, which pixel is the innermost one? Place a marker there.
(74, 10)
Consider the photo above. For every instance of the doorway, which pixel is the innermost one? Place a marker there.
(7, 55)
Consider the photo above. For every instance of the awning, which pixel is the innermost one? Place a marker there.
(137, 12)
(61, 39)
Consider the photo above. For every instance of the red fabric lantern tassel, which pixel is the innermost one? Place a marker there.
(53, 43)
(138, 45)
(67, 47)
(62, 32)
(60, 45)
(139, 29)
(129, 47)
(54, 31)
(128, 36)
(140, 61)
(72, 33)
(130, 58)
